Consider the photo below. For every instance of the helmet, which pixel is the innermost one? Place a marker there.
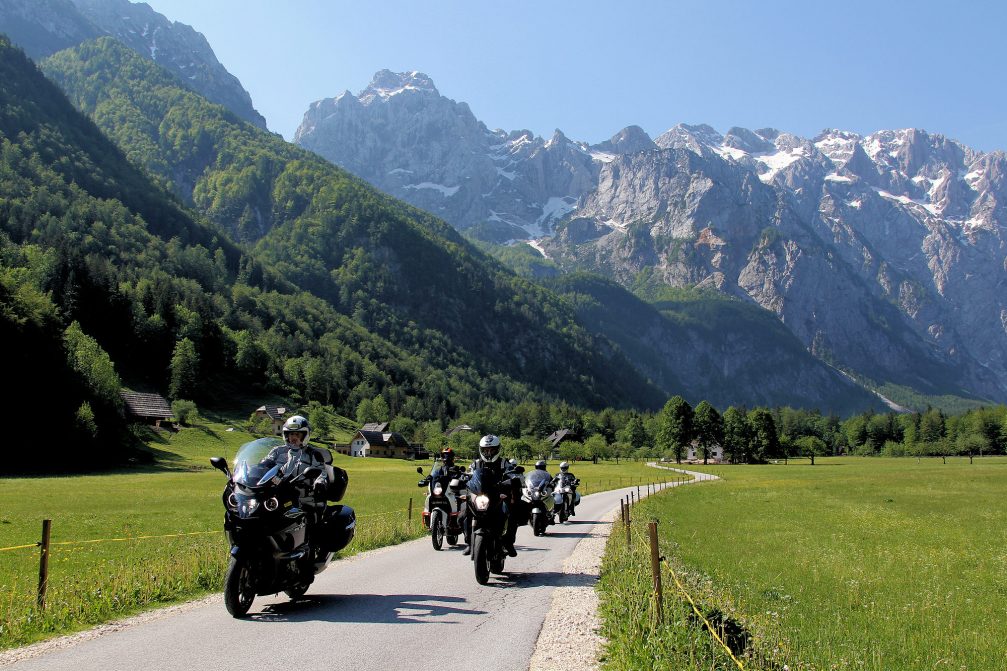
(512, 462)
(540, 464)
(448, 456)
(296, 424)
(564, 467)
(489, 448)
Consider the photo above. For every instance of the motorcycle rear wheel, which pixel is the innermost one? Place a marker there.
(497, 565)
(452, 539)
(238, 592)
(481, 561)
(437, 529)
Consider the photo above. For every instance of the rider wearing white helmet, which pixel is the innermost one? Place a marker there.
(490, 458)
(295, 434)
(566, 476)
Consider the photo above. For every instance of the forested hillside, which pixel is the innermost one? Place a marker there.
(397, 271)
(109, 280)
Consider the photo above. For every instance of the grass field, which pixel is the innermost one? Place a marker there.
(852, 563)
(94, 582)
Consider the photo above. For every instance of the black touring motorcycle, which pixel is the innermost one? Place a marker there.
(488, 493)
(282, 532)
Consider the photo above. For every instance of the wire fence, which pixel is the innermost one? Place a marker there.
(658, 561)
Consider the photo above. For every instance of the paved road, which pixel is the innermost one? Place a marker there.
(394, 608)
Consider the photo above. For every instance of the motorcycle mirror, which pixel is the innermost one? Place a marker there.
(221, 465)
(419, 469)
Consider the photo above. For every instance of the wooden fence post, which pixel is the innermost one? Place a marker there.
(655, 567)
(409, 513)
(43, 563)
(629, 521)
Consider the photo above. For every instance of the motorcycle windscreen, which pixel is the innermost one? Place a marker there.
(483, 481)
(252, 462)
(538, 479)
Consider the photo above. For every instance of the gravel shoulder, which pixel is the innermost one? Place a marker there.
(570, 639)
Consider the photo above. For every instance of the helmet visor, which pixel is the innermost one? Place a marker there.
(489, 452)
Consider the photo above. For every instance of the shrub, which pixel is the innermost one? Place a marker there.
(184, 411)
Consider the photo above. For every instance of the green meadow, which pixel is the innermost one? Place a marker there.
(158, 529)
(854, 563)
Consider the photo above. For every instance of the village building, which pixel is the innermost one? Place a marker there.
(556, 438)
(146, 408)
(388, 444)
(715, 454)
(458, 429)
(277, 415)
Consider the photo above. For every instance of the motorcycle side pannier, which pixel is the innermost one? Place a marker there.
(338, 525)
(338, 479)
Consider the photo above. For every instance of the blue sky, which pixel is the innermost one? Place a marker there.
(592, 68)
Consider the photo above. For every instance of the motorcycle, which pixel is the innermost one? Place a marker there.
(487, 494)
(282, 533)
(538, 496)
(565, 496)
(441, 513)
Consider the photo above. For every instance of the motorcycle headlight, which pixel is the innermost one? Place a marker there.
(249, 505)
(271, 505)
(482, 502)
(438, 490)
(232, 501)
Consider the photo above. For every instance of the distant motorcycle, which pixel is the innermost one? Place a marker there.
(565, 496)
(441, 512)
(538, 496)
(282, 533)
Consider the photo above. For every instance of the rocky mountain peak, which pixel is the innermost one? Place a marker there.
(629, 140)
(748, 141)
(386, 84)
(685, 136)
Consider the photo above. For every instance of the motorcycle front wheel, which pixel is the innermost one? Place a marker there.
(479, 552)
(238, 592)
(437, 529)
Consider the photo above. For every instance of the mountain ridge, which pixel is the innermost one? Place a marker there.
(882, 253)
(44, 27)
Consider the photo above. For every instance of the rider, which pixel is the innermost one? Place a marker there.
(295, 435)
(566, 477)
(489, 458)
(445, 467)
